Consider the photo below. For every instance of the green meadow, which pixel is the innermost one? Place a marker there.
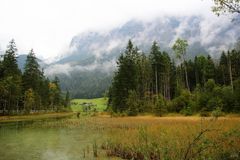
(99, 103)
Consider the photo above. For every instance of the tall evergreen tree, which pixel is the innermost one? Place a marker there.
(10, 66)
(125, 78)
(155, 55)
(32, 73)
(11, 78)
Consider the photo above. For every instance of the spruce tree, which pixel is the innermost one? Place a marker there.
(125, 78)
(11, 78)
(155, 55)
(32, 74)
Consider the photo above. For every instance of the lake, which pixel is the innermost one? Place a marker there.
(51, 139)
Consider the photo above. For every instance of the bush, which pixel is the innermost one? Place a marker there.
(204, 112)
(183, 101)
(217, 112)
(160, 106)
(187, 111)
(214, 102)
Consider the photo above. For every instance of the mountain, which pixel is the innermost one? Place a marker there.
(87, 68)
(21, 60)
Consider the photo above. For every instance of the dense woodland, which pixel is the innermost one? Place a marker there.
(30, 91)
(158, 84)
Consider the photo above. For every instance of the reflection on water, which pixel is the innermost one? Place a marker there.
(32, 140)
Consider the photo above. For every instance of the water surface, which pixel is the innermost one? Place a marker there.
(49, 139)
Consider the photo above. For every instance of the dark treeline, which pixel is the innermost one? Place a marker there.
(156, 84)
(29, 91)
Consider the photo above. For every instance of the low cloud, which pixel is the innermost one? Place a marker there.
(211, 33)
(67, 68)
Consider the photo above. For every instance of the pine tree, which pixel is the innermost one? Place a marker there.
(32, 78)
(57, 100)
(10, 67)
(32, 74)
(11, 78)
(125, 78)
(223, 69)
(155, 55)
(210, 70)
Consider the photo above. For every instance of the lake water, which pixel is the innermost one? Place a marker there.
(48, 139)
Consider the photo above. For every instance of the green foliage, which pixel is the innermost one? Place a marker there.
(182, 102)
(217, 112)
(67, 100)
(209, 84)
(214, 102)
(30, 91)
(180, 48)
(29, 100)
(226, 6)
(132, 103)
(204, 112)
(160, 107)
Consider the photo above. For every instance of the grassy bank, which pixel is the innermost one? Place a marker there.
(34, 116)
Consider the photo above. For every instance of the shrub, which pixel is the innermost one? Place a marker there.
(182, 101)
(217, 112)
(160, 106)
(214, 102)
(187, 111)
(204, 112)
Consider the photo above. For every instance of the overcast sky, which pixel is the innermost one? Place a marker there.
(47, 26)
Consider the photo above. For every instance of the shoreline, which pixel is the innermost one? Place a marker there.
(17, 118)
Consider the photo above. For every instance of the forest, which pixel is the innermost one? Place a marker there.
(30, 91)
(159, 84)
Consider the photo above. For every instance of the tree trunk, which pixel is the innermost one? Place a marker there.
(186, 75)
(230, 71)
(156, 78)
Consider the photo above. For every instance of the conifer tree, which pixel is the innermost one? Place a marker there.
(32, 74)
(125, 78)
(155, 55)
(11, 78)
(10, 67)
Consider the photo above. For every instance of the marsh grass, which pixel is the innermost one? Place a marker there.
(173, 138)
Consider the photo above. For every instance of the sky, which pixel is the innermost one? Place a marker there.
(48, 26)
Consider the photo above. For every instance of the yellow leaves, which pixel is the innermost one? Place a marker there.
(52, 86)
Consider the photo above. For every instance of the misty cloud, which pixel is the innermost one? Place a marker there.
(206, 33)
(67, 68)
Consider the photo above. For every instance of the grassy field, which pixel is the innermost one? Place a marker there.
(101, 104)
